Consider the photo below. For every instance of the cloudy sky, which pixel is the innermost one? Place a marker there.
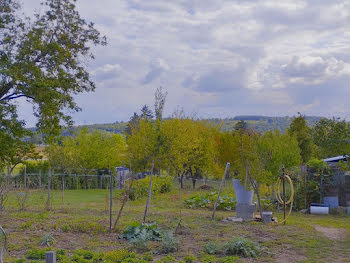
(218, 58)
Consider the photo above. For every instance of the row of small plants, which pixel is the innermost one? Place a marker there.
(139, 234)
(160, 184)
(116, 256)
(87, 256)
(207, 200)
(228, 252)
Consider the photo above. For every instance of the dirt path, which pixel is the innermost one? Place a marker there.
(338, 235)
(331, 232)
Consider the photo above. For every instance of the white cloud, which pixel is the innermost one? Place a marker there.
(219, 57)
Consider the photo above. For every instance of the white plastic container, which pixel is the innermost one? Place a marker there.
(319, 210)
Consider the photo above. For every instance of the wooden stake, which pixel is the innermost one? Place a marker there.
(110, 201)
(48, 190)
(126, 196)
(25, 176)
(40, 178)
(220, 189)
(63, 187)
(149, 193)
(284, 196)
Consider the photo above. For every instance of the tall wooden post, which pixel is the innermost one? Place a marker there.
(284, 196)
(220, 189)
(40, 178)
(63, 187)
(149, 193)
(48, 190)
(25, 177)
(110, 199)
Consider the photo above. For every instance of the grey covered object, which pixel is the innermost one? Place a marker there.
(246, 212)
(243, 196)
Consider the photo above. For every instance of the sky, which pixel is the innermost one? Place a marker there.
(217, 58)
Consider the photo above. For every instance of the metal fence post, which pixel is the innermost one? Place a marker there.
(50, 257)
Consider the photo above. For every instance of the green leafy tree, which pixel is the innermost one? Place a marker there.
(142, 145)
(188, 147)
(262, 157)
(44, 61)
(332, 137)
(87, 151)
(241, 125)
(302, 132)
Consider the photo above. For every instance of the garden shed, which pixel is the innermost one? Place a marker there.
(338, 188)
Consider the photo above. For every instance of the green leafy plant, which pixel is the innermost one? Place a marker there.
(137, 230)
(238, 247)
(148, 256)
(207, 200)
(212, 248)
(160, 184)
(169, 243)
(119, 256)
(22, 200)
(47, 240)
(189, 259)
(36, 253)
(167, 259)
(242, 247)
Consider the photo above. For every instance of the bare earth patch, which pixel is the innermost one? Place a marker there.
(331, 232)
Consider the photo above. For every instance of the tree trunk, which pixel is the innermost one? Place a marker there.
(86, 182)
(194, 183)
(256, 189)
(182, 181)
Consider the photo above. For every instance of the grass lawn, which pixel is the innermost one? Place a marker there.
(80, 220)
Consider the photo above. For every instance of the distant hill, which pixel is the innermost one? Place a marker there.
(263, 123)
(257, 122)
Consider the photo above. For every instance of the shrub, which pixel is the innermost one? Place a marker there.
(119, 256)
(144, 230)
(22, 198)
(212, 248)
(227, 260)
(47, 240)
(147, 257)
(85, 256)
(169, 243)
(81, 226)
(167, 259)
(242, 247)
(36, 253)
(190, 259)
(208, 200)
(160, 184)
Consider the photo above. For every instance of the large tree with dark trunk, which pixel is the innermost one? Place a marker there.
(43, 61)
